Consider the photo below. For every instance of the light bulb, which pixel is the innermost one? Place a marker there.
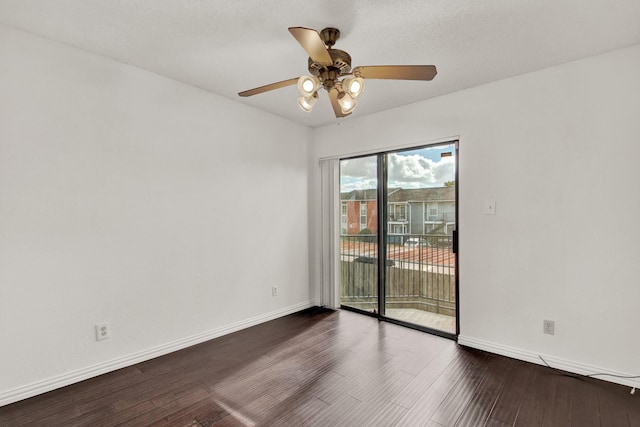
(354, 86)
(307, 85)
(347, 103)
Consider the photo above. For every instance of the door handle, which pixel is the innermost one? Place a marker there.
(454, 243)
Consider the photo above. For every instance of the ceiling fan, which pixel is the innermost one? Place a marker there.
(331, 69)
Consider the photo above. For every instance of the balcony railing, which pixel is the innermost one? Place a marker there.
(442, 216)
(420, 273)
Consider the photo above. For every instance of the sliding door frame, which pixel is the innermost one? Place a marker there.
(382, 175)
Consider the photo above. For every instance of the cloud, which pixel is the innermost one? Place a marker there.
(347, 185)
(405, 171)
(363, 167)
(416, 171)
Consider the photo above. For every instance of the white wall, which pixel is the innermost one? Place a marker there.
(130, 198)
(558, 150)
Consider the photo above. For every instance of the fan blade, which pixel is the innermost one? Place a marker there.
(396, 72)
(267, 88)
(333, 95)
(310, 40)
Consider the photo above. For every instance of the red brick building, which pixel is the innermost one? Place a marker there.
(359, 210)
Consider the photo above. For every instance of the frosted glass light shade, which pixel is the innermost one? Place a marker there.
(354, 86)
(306, 103)
(307, 85)
(346, 102)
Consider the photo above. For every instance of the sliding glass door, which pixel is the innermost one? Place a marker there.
(421, 215)
(398, 226)
(359, 233)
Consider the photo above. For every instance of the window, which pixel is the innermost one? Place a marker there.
(431, 211)
(397, 212)
(363, 215)
(397, 229)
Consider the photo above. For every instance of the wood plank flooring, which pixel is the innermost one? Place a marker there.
(326, 368)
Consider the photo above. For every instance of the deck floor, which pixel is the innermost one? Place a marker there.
(440, 322)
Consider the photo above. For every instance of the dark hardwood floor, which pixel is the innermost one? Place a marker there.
(324, 368)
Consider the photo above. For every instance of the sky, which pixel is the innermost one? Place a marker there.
(419, 168)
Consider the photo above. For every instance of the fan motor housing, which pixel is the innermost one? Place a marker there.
(341, 63)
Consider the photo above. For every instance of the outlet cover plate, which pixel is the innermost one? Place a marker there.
(103, 331)
(549, 327)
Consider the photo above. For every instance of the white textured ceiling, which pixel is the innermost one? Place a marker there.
(226, 46)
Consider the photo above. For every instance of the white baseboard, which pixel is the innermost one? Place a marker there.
(39, 387)
(556, 362)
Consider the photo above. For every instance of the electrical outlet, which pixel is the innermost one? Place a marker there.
(274, 291)
(102, 331)
(549, 327)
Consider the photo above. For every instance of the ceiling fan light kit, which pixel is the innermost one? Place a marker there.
(331, 69)
(308, 85)
(354, 86)
(306, 102)
(347, 103)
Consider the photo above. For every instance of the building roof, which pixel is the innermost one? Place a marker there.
(370, 194)
(422, 194)
(399, 195)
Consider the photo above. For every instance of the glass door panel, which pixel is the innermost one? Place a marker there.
(419, 282)
(359, 233)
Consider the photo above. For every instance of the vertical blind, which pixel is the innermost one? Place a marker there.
(330, 207)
